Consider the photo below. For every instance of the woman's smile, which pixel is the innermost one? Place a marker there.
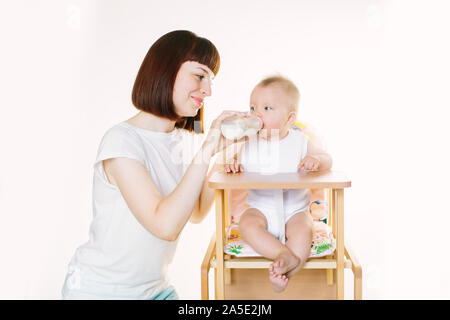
(198, 101)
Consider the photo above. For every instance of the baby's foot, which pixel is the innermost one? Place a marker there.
(295, 270)
(284, 263)
(279, 282)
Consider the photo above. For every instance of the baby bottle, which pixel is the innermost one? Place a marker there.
(237, 127)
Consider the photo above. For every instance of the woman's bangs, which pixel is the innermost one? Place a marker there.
(206, 53)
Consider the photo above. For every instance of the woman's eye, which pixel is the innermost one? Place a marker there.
(252, 108)
(267, 108)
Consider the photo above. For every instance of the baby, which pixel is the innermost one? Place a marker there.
(278, 148)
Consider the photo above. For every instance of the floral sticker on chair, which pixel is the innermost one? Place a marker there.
(235, 249)
(323, 243)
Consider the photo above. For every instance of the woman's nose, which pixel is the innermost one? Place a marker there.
(206, 88)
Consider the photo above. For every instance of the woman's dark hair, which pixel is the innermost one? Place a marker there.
(153, 87)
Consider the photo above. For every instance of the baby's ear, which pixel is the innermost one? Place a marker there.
(291, 118)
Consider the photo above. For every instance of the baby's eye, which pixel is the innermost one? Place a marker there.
(267, 108)
(201, 77)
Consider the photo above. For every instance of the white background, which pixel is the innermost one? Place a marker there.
(374, 79)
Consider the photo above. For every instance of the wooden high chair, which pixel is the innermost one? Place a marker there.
(342, 257)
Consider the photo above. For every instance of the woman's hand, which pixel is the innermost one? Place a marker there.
(215, 141)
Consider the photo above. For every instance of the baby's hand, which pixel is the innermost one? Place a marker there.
(233, 167)
(310, 163)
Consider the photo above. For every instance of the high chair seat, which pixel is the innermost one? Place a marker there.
(323, 243)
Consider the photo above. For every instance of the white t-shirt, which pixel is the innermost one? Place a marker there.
(123, 260)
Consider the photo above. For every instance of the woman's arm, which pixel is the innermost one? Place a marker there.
(165, 217)
(227, 157)
(205, 199)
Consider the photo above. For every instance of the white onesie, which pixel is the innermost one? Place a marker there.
(270, 157)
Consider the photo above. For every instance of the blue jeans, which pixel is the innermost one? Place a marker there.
(167, 294)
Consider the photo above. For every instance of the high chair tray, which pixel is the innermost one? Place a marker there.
(296, 180)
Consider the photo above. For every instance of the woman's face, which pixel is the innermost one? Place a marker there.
(192, 85)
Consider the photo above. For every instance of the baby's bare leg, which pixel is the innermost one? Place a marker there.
(299, 233)
(253, 228)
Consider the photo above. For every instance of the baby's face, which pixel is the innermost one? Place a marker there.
(271, 104)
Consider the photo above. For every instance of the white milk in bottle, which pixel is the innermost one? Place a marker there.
(237, 127)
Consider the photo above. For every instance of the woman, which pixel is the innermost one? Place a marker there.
(142, 195)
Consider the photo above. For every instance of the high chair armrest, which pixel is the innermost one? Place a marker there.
(209, 254)
(356, 266)
(205, 267)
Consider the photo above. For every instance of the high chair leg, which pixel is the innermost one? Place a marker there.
(216, 290)
(330, 198)
(339, 253)
(220, 224)
(227, 275)
(227, 221)
(330, 278)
